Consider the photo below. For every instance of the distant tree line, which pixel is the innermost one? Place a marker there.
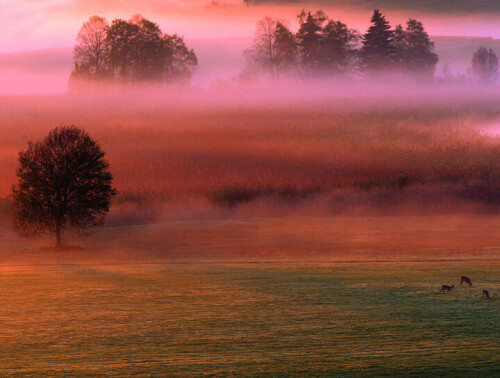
(130, 52)
(323, 47)
(483, 69)
(484, 65)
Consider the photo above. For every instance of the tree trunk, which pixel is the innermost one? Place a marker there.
(58, 235)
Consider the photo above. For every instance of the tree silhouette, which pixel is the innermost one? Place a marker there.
(180, 61)
(64, 184)
(339, 47)
(309, 42)
(485, 64)
(261, 56)
(91, 54)
(149, 53)
(414, 50)
(122, 40)
(378, 49)
(131, 52)
(285, 50)
(323, 47)
(273, 50)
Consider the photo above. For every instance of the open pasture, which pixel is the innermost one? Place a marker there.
(317, 296)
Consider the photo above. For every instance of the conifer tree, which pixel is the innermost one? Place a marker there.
(378, 49)
(309, 43)
(285, 50)
(414, 50)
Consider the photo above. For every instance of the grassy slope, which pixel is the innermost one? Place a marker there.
(456, 52)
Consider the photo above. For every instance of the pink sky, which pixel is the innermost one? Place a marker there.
(40, 24)
(50, 27)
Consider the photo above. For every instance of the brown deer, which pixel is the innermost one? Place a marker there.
(465, 280)
(486, 294)
(446, 288)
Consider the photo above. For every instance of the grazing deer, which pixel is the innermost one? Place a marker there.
(446, 288)
(465, 280)
(486, 294)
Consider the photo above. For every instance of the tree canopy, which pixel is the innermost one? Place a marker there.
(414, 50)
(130, 52)
(273, 51)
(485, 65)
(91, 54)
(323, 47)
(309, 43)
(378, 49)
(64, 184)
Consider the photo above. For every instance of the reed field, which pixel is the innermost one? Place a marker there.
(291, 236)
(385, 152)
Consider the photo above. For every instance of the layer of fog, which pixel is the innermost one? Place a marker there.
(469, 108)
(220, 60)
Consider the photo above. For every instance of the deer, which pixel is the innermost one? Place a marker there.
(486, 294)
(465, 280)
(446, 288)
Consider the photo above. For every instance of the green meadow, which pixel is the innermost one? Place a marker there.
(189, 308)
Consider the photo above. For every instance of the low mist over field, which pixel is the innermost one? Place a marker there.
(47, 71)
(310, 150)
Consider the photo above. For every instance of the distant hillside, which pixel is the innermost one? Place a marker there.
(456, 52)
(47, 71)
(33, 72)
(447, 6)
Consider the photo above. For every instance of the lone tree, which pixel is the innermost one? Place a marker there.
(64, 184)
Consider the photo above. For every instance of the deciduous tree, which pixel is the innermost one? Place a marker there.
(261, 56)
(91, 53)
(134, 52)
(64, 184)
(485, 65)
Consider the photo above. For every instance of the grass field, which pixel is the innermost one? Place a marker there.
(256, 296)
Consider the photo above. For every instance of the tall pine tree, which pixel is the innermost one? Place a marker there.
(378, 49)
(285, 50)
(309, 43)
